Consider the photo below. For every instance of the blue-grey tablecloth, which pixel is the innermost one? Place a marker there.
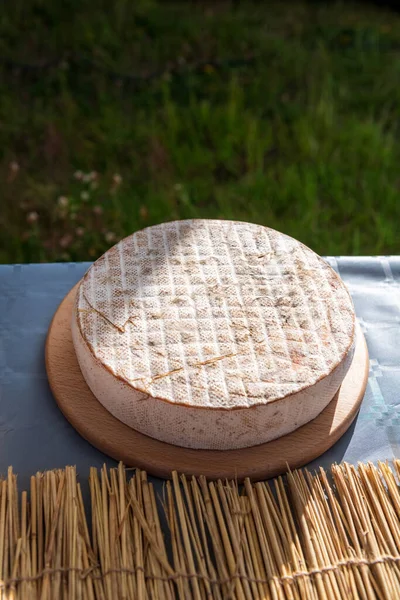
(35, 436)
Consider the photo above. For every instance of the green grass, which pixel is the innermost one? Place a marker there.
(291, 119)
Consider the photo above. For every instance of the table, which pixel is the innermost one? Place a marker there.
(35, 436)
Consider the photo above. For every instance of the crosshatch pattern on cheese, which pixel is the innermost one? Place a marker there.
(216, 311)
(215, 315)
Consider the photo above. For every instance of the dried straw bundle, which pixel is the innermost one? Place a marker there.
(300, 538)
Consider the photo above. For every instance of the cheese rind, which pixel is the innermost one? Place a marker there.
(213, 334)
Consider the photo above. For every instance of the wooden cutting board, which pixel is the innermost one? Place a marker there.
(134, 449)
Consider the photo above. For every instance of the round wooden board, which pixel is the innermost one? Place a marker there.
(134, 449)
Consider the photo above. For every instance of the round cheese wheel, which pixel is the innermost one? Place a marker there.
(213, 334)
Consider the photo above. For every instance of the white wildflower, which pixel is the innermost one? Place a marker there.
(62, 201)
(32, 217)
(110, 237)
(66, 240)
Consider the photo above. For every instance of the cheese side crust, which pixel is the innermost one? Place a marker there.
(213, 334)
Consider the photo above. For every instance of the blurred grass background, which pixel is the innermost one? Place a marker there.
(115, 116)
